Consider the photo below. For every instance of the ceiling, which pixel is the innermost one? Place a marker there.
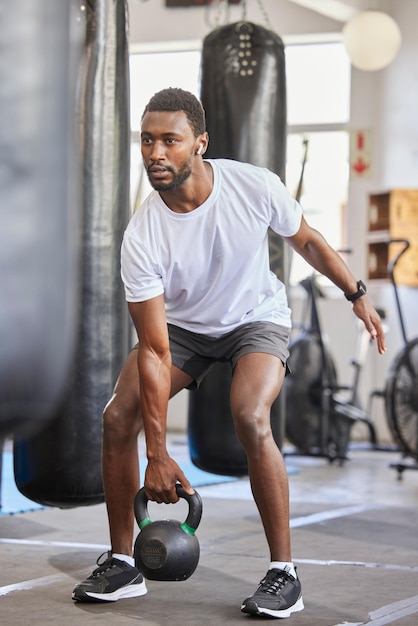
(340, 10)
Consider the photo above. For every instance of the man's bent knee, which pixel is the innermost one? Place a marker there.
(253, 430)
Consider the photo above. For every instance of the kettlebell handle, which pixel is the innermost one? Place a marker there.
(192, 520)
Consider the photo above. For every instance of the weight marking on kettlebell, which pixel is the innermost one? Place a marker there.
(154, 554)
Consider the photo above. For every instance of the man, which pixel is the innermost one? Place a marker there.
(199, 289)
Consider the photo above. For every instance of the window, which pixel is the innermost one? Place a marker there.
(318, 101)
(318, 84)
(324, 187)
(153, 71)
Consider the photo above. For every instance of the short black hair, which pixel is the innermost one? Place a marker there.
(176, 99)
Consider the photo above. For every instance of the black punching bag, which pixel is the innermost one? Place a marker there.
(39, 207)
(61, 465)
(243, 91)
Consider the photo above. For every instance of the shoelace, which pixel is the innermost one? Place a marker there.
(273, 582)
(104, 565)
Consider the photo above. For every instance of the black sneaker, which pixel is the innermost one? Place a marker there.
(278, 595)
(112, 580)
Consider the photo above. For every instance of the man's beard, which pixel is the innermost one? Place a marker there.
(178, 178)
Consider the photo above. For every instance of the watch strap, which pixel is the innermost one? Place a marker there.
(361, 291)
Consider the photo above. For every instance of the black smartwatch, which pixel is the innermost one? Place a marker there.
(361, 287)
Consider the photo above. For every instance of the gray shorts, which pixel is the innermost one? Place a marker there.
(195, 354)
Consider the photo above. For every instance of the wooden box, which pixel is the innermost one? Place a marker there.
(393, 215)
(406, 271)
(379, 211)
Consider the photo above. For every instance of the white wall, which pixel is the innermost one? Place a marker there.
(385, 102)
(399, 111)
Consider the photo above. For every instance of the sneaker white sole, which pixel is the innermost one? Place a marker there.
(130, 591)
(298, 606)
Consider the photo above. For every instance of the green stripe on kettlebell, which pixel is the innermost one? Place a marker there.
(187, 529)
(144, 522)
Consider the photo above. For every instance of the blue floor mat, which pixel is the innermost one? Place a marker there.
(12, 501)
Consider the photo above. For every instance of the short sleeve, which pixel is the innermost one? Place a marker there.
(286, 213)
(140, 275)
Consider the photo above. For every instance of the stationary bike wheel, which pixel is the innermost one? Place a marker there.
(303, 392)
(401, 398)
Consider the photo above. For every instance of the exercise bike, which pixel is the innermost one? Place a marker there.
(401, 386)
(319, 416)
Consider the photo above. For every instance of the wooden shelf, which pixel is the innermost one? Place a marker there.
(393, 215)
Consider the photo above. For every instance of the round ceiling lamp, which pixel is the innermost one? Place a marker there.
(372, 40)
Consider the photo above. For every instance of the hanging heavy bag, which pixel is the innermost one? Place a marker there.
(243, 92)
(61, 465)
(39, 200)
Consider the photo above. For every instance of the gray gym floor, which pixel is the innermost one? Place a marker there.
(354, 536)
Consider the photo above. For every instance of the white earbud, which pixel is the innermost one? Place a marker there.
(200, 149)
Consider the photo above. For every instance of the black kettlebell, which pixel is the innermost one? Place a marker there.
(167, 549)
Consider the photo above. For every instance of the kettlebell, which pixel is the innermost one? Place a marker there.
(167, 549)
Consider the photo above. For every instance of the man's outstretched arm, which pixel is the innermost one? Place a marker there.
(313, 247)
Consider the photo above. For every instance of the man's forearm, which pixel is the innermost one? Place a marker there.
(328, 262)
(155, 381)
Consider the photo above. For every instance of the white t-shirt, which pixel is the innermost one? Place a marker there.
(212, 264)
